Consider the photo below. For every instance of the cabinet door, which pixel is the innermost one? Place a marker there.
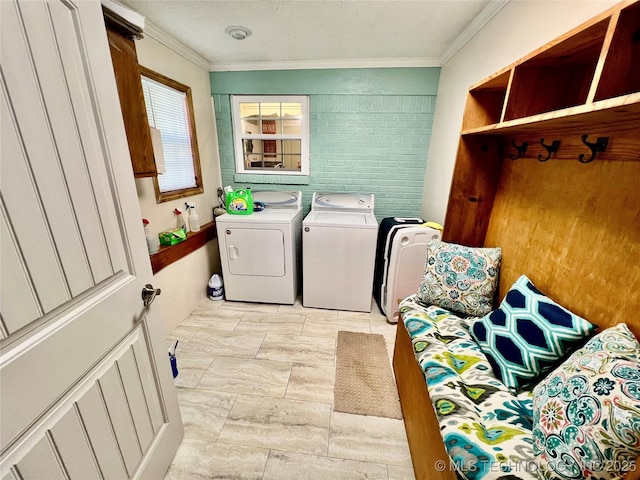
(134, 112)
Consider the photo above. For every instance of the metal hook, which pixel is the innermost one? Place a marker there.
(522, 149)
(553, 148)
(599, 146)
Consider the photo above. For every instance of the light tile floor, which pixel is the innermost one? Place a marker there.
(256, 392)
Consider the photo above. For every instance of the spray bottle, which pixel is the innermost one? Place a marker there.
(180, 223)
(153, 244)
(194, 220)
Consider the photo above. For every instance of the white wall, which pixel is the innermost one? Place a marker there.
(184, 282)
(518, 29)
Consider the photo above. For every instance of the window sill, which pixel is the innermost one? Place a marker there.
(172, 253)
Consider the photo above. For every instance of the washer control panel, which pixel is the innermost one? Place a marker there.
(361, 202)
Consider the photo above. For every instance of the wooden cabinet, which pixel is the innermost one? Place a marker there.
(548, 166)
(134, 113)
(587, 82)
(568, 222)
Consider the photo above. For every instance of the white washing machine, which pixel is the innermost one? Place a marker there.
(259, 252)
(338, 252)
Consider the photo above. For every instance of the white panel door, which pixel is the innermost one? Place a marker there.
(85, 385)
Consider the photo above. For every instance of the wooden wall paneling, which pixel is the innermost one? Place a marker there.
(427, 449)
(573, 229)
(475, 180)
(622, 145)
(134, 111)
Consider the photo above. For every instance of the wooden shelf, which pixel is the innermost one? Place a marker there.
(572, 76)
(620, 111)
(172, 253)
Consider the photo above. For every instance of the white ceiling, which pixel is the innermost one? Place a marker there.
(317, 33)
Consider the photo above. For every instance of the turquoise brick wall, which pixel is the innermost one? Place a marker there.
(375, 142)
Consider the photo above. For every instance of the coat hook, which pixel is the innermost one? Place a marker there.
(599, 146)
(553, 148)
(522, 149)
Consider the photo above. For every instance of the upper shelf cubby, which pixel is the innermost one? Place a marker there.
(621, 72)
(595, 67)
(558, 77)
(485, 102)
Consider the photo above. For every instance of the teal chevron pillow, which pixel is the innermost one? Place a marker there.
(528, 335)
(586, 413)
(458, 278)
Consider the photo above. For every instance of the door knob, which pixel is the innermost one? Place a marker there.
(149, 294)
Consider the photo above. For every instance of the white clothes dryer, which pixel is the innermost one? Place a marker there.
(338, 252)
(259, 252)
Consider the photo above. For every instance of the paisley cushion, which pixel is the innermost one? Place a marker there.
(528, 335)
(586, 413)
(486, 429)
(458, 278)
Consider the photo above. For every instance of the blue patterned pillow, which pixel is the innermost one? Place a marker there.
(527, 335)
(458, 278)
(586, 413)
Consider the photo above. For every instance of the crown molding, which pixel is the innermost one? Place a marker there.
(326, 64)
(180, 48)
(472, 29)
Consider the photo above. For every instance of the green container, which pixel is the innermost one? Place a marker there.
(171, 237)
(240, 202)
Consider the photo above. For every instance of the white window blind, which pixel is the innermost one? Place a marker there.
(167, 111)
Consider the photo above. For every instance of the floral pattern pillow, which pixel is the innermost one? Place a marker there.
(586, 413)
(458, 278)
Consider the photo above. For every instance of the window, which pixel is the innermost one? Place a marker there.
(271, 134)
(170, 110)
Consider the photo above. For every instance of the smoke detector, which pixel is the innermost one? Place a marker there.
(238, 32)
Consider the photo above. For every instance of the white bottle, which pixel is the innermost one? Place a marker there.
(194, 221)
(215, 290)
(153, 244)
